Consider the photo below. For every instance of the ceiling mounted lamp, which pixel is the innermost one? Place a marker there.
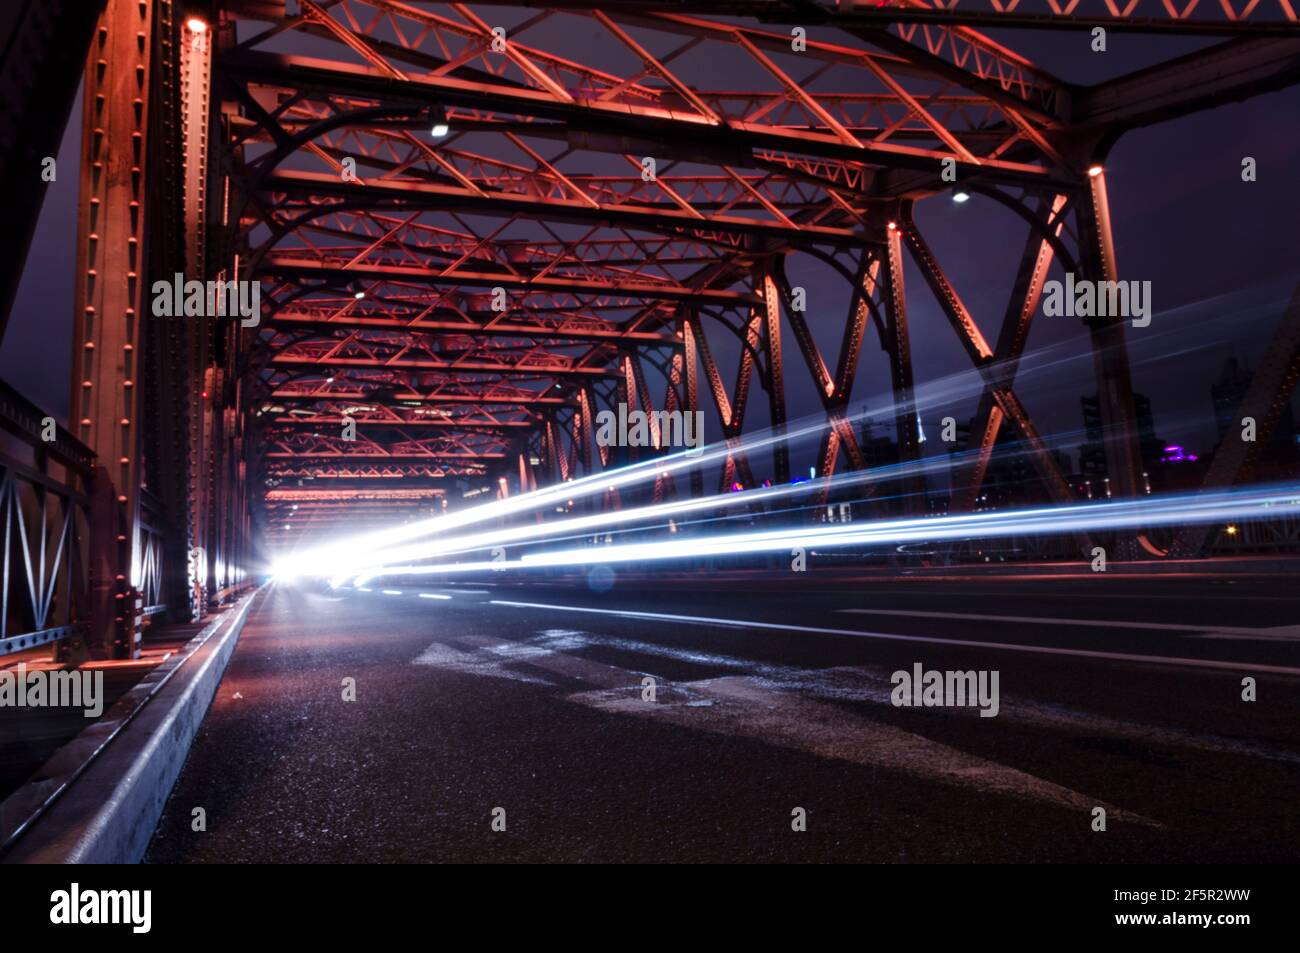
(438, 125)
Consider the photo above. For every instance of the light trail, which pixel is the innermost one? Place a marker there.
(352, 553)
(361, 554)
(1145, 513)
(576, 526)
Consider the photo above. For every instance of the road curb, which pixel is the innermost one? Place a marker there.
(107, 812)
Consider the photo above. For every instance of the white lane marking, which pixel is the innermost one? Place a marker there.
(548, 651)
(874, 684)
(1145, 597)
(930, 640)
(1090, 623)
(751, 707)
(433, 595)
(771, 703)
(445, 657)
(745, 707)
(364, 589)
(761, 706)
(392, 592)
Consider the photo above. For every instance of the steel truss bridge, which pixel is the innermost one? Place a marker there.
(469, 241)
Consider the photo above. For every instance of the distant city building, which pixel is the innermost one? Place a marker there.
(1093, 478)
(878, 448)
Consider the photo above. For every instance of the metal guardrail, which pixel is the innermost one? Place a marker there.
(25, 806)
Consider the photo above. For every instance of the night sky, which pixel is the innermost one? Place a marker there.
(1221, 255)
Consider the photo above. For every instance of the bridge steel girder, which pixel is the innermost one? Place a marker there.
(898, 345)
(169, 525)
(997, 381)
(1110, 352)
(682, 210)
(327, 273)
(617, 277)
(1270, 18)
(109, 300)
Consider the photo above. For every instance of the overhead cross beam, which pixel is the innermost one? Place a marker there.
(583, 237)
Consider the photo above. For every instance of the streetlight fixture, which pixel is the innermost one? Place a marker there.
(438, 117)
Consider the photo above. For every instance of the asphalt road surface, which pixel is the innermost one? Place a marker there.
(1123, 695)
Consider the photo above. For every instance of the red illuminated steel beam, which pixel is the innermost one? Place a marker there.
(303, 266)
(412, 194)
(367, 473)
(514, 323)
(106, 403)
(1140, 16)
(331, 421)
(786, 171)
(682, 134)
(551, 365)
(1025, 294)
(982, 356)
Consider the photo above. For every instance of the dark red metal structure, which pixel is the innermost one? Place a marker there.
(476, 225)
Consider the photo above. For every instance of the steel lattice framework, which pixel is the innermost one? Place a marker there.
(472, 299)
(477, 225)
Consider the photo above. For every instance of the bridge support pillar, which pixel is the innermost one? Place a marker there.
(1110, 351)
(899, 347)
(109, 296)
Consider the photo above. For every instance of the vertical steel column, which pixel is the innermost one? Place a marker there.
(1110, 351)
(202, 497)
(524, 476)
(557, 465)
(192, 355)
(900, 367)
(627, 396)
(169, 398)
(738, 463)
(582, 436)
(776, 374)
(108, 298)
(691, 396)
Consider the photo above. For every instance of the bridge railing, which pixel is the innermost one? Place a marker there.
(150, 571)
(44, 480)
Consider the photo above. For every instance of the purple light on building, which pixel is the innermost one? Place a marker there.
(1176, 454)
